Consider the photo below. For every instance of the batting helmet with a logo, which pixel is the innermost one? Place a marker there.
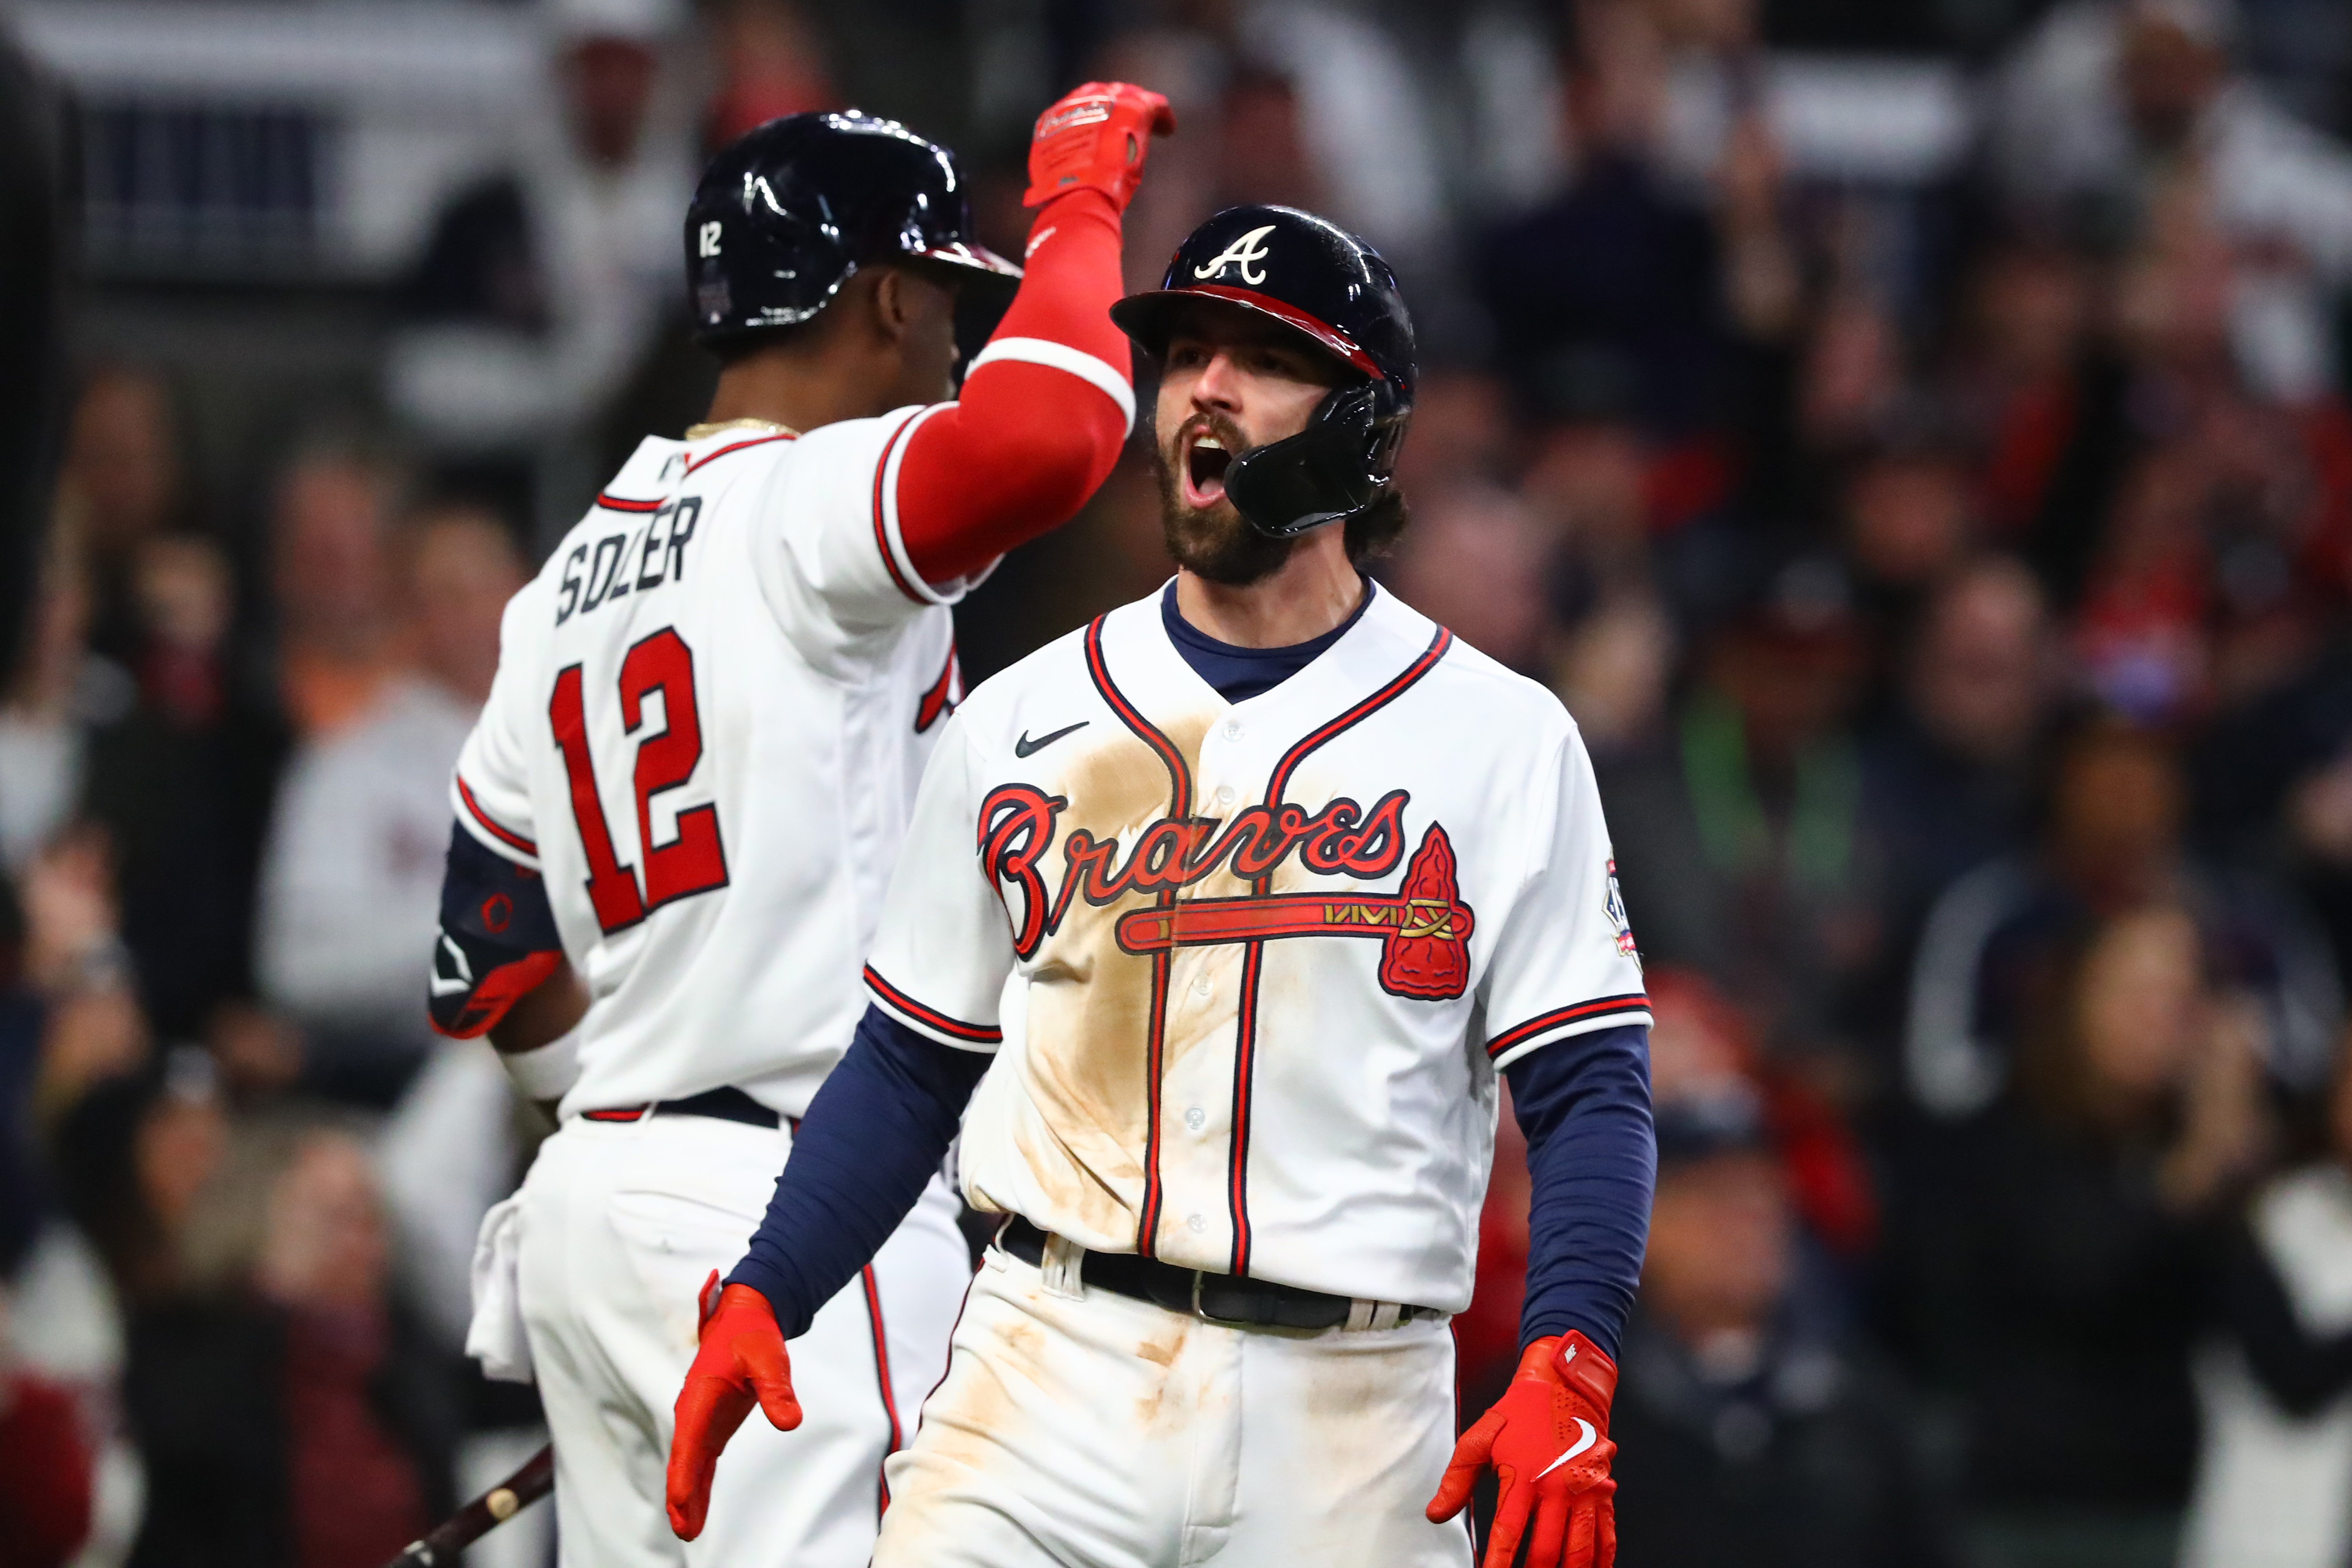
(1323, 282)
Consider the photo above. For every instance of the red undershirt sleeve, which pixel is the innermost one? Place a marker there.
(1044, 411)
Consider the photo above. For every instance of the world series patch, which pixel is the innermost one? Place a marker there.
(1616, 911)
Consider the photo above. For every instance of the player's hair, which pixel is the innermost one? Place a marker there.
(1373, 533)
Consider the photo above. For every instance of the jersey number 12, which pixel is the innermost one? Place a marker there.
(692, 862)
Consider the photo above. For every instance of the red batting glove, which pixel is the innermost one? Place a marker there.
(741, 1362)
(1548, 1440)
(1096, 137)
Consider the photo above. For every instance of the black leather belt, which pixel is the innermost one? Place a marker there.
(727, 1104)
(1219, 1297)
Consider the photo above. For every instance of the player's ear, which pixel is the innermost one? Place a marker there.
(893, 303)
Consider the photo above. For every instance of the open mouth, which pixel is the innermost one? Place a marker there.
(1206, 459)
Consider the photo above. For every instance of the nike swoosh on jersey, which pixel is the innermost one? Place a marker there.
(1026, 747)
(1584, 1440)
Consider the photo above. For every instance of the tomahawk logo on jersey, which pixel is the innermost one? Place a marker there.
(1264, 956)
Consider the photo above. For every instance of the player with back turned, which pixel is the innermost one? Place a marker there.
(679, 813)
(1216, 924)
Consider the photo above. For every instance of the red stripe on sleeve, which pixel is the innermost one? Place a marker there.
(978, 1033)
(511, 839)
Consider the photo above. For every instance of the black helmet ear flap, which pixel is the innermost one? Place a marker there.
(1343, 462)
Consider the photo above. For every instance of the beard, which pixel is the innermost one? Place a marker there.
(1214, 543)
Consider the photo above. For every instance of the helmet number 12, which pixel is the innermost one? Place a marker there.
(693, 860)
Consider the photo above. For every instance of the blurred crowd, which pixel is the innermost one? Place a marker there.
(1949, 579)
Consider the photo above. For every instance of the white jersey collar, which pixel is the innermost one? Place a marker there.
(1387, 638)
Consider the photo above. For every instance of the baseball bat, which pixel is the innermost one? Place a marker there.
(441, 1545)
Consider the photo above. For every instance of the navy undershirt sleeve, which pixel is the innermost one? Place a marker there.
(877, 1129)
(1592, 1158)
(1237, 673)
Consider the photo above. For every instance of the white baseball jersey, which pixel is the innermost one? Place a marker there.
(712, 712)
(1253, 966)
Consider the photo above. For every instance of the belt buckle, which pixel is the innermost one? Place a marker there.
(1199, 1277)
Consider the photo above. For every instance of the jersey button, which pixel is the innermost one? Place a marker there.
(1195, 1118)
(1232, 729)
(1195, 1223)
(1200, 987)
(1224, 795)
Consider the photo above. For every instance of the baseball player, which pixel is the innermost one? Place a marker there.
(1215, 925)
(678, 812)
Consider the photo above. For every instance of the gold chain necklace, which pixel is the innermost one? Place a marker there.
(697, 432)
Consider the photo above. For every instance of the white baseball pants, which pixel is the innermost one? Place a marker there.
(621, 1223)
(1096, 1431)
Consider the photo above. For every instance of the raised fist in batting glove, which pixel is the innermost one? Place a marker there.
(741, 1363)
(1547, 1441)
(1096, 136)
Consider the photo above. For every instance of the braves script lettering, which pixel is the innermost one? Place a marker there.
(1424, 928)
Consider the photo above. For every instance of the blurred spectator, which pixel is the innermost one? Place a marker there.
(1474, 560)
(181, 786)
(1752, 1425)
(770, 64)
(1612, 673)
(292, 1422)
(1851, 382)
(2110, 841)
(1977, 684)
(1617, 276)
(2139, 634)
(77, 970)
(1702, 1053)
(1332, 103)
(2274, 1478)
(1462, 431)
(2016, 380)
(135, 1153)
(1702, 1050)
(545, 286)
(1908, 522)
(2109, 99)
(120, 487)
(1591, 481)
(69, 1021)
(1741, 840)
(1590, 475)
(1948, 775)
(46, 1478)
(57, 693)
(330, 579)
(2318, 819)
(1262, 154)
(351, 879)
(2060, 1262)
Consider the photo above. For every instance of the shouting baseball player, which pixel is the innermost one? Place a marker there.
(677, 815)
(1230, 907)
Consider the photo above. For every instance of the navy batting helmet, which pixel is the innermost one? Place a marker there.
(1319, 281)
(787, 214)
